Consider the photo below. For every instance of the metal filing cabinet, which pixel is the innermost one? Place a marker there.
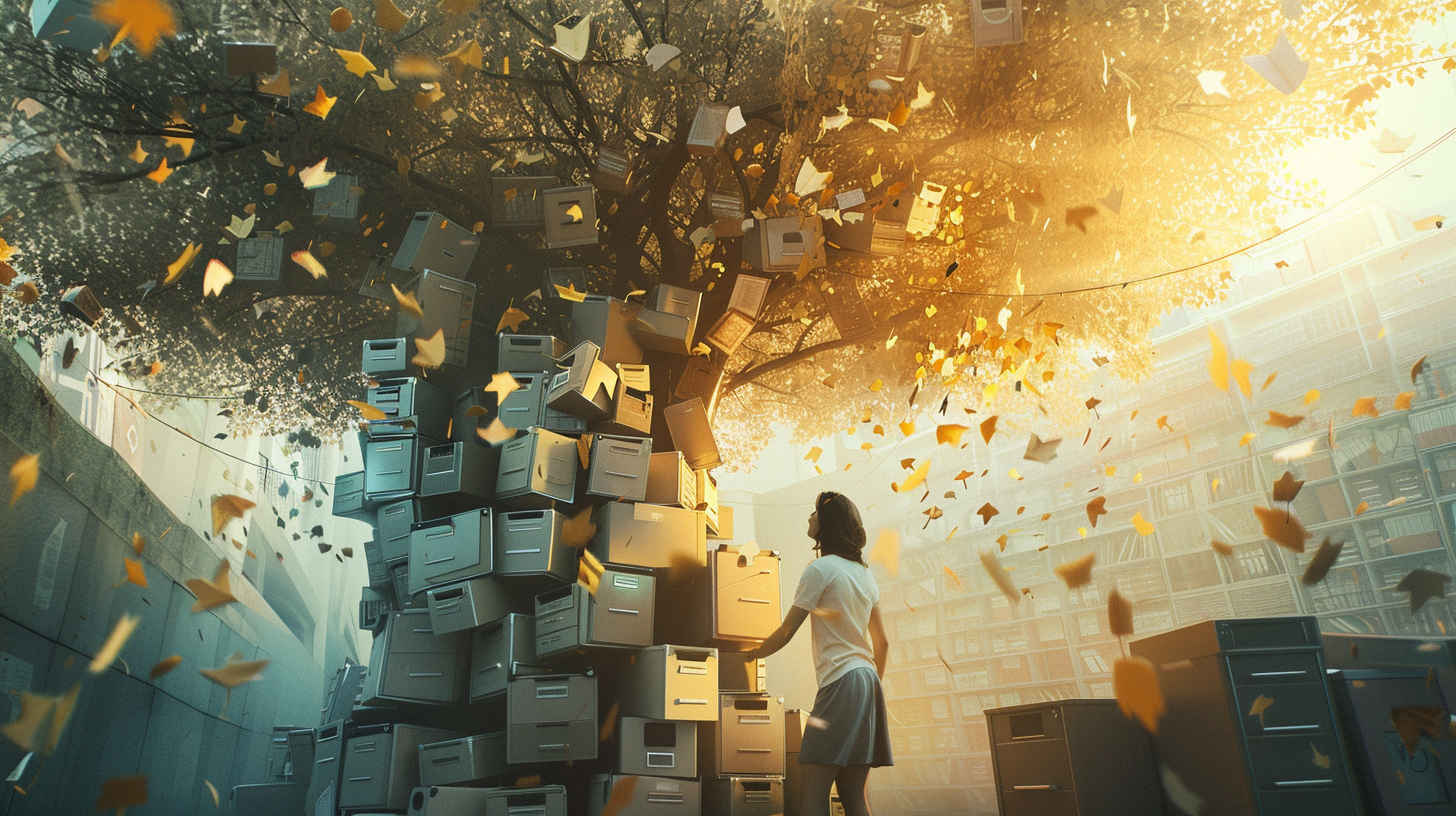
(340, 695)
(547, 800)
(649, 535)
(551, 718)
(411, 664)
(743, 796)
(322, 795)
(657, 747)
(1074, 757)
(672, 683)
(631, 411)
(374, 562)
(747, 739)
(459, 761)
(498, 650)
(528, 352)
(374, 605)
(395, 520)
(386, 358)
(300, 753)
(619, 467)
(607, 323)
(650, 794)
(411, 407)
(349, 496)
(523, 407)
(392, 466)
(738, 601)
(571, 216)
(707, 494)
(460, 472)
(529, 542)
(536, 470)
(618, 615)
(447, 801)
(474, 409)
(1241, 762)
(692, 433)
(583, 385)
(437, 243)
(280, 766)
(467, 604)
(382, 765)
(337, 203)
(447, 304)
(267, 799)
(451, 549)
(399, 575)
(664, 332)
(671, 481)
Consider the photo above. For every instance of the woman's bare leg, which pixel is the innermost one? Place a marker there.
(814, 796)
(850, 783)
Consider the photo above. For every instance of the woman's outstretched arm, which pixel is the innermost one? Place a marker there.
(782, 635)
(878, 640)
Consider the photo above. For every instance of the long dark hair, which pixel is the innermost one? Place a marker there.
(841, 532)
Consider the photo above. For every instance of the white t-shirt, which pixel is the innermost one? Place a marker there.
(844, 593)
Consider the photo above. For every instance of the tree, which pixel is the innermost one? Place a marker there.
(1036, 142)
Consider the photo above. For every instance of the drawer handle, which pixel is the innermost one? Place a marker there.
(549, 641)
(363, 747)
(1034, 787)
(513, 471)
(657, 759)
(445, 759)
(754, 719)
(754, 600)
(325, 759)
(1299, 673)
(554, 746)
(552, 692)
(443, 531)
(447, 608)
(491, 667)
(622, 475)
(689, 701)
(394, 472)
(526, 810)
(523, 552)
(755, 750)
(664, 798)
(360, 778)
(755, 796)
(1294, 783)
(623, 611)
(1292, 728)
(692, 669)
(434, 561)
(426, 674)
(424, 631)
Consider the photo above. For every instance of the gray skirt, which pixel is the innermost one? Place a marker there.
(849, 724)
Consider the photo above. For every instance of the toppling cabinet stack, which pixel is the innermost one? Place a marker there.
(551, 597)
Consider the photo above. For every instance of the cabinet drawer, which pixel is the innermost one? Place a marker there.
(463, 760)
(556, 642)
(1287, 667)
(551, 741)
(426, 678)
(368, 761)
(529, 542)
(745, 597)
(1288, 708)
(457, 548)
(495, 651)
(1039, 803)
(552, 699)
(619, 467)
(1035, 762)
(409, 631)
(1287, 763)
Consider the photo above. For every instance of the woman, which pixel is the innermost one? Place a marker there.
(847, 733)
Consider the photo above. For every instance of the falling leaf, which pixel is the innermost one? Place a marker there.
(512, 318)
(1241, 371)
(1135, 685)
(1142, 525)
(430, 353)
(1261, 704)
(42, 720)
(1077, 573)
(1416, 369)
(1041, 451)
(214, 593)
(496, 433)
(1279, 420)
(355, 62)
(1096, 507)
(1403, 400)
(145, 22)
(949, 434)
(407, 303)
(138, 544)
(1119, 614)
(383, 81)
(1309, 397)
(1268, 381)
(609, 722)
(165, 666)
(577, 531)
(813, 454)
(1319, 565)
(951, 574)
(999, 576)
(366, 410)
(235, 672)
(120, 633)
(305, 259)
(1218, 369)
(215, 277)
(321, 105)
(1221, 548)
(1286, 487)
(121, 792)
(887, 551)
(1079, 216)
(907, 428)
(160, 174)
(1247, 438)
(316, 176)
(1365, 406)
(226, 507)
(1422, 585)
(1319, 760)
(1361, 507)
(988, 429)
(1283, 528)
(569, 293)
(388, 16)
(623, 796)
(987, 512)
(138, 155)
(134, 572)
(915, 479)
(1411, 722)
(23, 476)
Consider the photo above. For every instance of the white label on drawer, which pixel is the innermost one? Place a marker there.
(625, 581)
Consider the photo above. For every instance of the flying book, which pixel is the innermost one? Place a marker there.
(1282, 67)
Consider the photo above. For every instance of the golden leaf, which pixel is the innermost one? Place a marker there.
(577, 531)
(1221, 548)
(316, 176)
(1286, 487)
(583, 452)
(951, 574)
(215, 277)
(1311, 395)
(1319, 566)
(1096, 507)
(165, 666)
(430, 353)
(1412, 721)
(120, 633)
(160, 174)
(1261, 704)
(988, 429)
(1142, 525)
(887, 551)
(1365, 406)
(214, 593)
(495, 433)
(950, 434)
(305, 259)
(624, 791)
(814, 454)
(1361, 507)
(1077, 573)
(987, 512)
(569, 293)
(235, 672)
(42, 720)
(366, 410)
(609, 722)
(1119, 614)
(914, 479)
(1218, 362)
(388, 16)
(1000, 577)
(23, 476)
(1283, 528)
(138, 155)
(407, 303)
(1135, 684)
(280, 85)
(502, 384)
(355, 62)
(1403, 400)
(468, 55)
(138, 543)
(226, 507)
(321, 105)
(877, 384)
(1247, 438)
(1039, 450)
(1319, 760)
(1279, 420)
(134, 572)
(216, 802)
(1416, 368)
(907, 428)
(145, 22)
(512, 319)
(383, 81)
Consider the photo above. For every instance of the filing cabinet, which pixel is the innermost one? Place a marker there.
(649, 535)
(382, 765)
(473, 411)
(664, 332)
(409, 663)
(571, 216)
(619, 614)
(300, 753)
(537, 469)
(467, 604)
(447, 304)
(678, 302)
(524, 406)
(374, 605)
(650, 794)
(735, 603)
(399, 574)
(583, 385)
(411, 407)
(687, 423)
(386, 358)
(1072, 757)
(460, 473)
(743, 796)
(435, 242)
(747, 739)
(724, 530)
(707, 490)
(631, 410)
(322, 793)
(529, 542)
(341, 693)
(547, 800)
(551, 718)
(395, 520)
(446, 801)
(463, 760)
(619, 467)
(738, 673)
(498, 650)
(280, 760)
(268, 798)
(374, 562)
(657, 747)
(1247, 759)
(671, 481)
(607, 323)
(672, 683)
(451, 549)
(349, 496)
(392, 467)
(528, 352)
(562, 422)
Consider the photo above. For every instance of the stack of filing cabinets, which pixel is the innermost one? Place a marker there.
(551, 611)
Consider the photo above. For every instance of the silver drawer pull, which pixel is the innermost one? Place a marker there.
(622, 475)
(1294, 783)
(440, 531)
(623, 611)
(755, 719)
(447, 608)
(424, 631)
(523, 552)
(754, 600)
(491, 667)
(394, 472)
(426, 674)
(755, 750)
(552, 692)
(434, 561)
(360, 778)
(445, 759)
(325, 759)
(692, 669)
(755, 796)
(526, 810)
(555, 746)
(1035, 787)
(664, 798)
(689, 701)
(363, 747)
(1299, 673)
(1291, 728)
(513, 471)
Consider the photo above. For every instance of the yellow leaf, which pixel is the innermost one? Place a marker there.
(1311, 395)
(887, 551)
(1077, 573)
(1247, 438)
(512, 318)
(1261, 704)
(273, 159)
(120, 633)
(177, 267)
(226, 507)
(1000, 577)
(1241, 371)
(907, 428)
(1218, 362)
(1365, 406)
(388, 16)
(216, 802)
(949, 434)
(1221, 548)
(321, 105)
(569, 293)
(988, 429)
(138, 155)
(214, 593)
(577, 531)
(1142, 525)
(915, 479)
(316, 176)
(1319, 760)
(1119, 614)
(1135, 684)
(235, 672)
(23, 476)
(407, 303)
(215, 277)
(877, 384)
(1095, 508)
(144, 21)
(134, 572)
(1282, 528)
(165, 666)
(383, 81)
(1279, 420)
(430, 353)
(42, 720)
(468, 55)
(355, 62)
(305, 259)
(951, 574)
(814, 454)
(502, 384)
(160, 174)
(495, 433)
(1403, 400)
(366, 410)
